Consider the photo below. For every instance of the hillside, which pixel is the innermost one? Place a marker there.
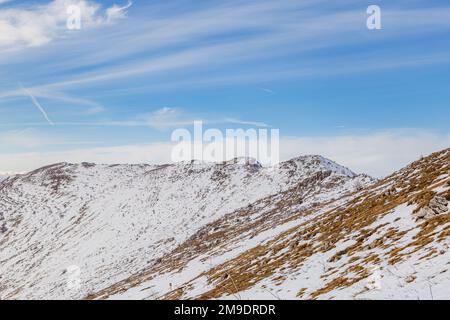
(389, 240)
(309, 230)
(113, 221)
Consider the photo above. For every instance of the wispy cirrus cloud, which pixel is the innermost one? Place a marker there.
(169, 118)
(34, 93)
(162, 119)
(123, 69)
(118, 12)
(179, 42)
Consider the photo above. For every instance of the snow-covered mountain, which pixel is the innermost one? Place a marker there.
(308, 229)
(113, 221)
(6, 175)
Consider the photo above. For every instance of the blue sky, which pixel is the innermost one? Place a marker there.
(136, 71)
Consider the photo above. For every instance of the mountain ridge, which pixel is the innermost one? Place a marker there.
(219, 231)
(423, 275)
(84, 208)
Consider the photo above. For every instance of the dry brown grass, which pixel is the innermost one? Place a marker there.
(289, 250)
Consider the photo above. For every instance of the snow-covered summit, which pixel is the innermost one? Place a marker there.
(323, 163)
(113, 220)
(308, 229)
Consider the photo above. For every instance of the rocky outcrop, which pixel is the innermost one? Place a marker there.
(437, 205)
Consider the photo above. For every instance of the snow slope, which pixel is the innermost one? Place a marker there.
(310, 229)
(114, 221)
(373, 244)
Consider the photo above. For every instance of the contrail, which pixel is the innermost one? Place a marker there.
(37, 104)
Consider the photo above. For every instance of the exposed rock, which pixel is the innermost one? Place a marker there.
(436, 206)
(3, 228)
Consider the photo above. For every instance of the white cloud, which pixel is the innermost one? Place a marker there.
(378, 154)
(40, 24)
(284, 28)
(165, 118)
(118, 12)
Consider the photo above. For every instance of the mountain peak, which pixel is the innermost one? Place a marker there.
(320, 163)
(125, 214)
(134, 227)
